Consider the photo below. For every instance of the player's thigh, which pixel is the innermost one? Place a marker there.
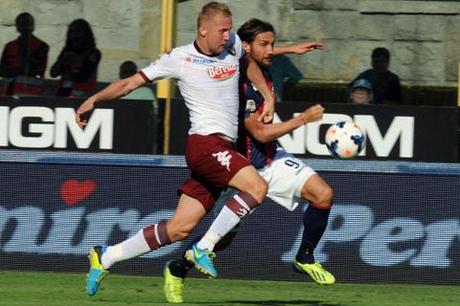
(285, 177)
(248, 179)
(188, 214)
(317, 191)
(201, 191)
(213, 160)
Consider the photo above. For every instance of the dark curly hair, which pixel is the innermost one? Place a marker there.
(253, 27)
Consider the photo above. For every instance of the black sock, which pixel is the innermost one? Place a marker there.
(180, 267)
(226, 240)
(315, 223)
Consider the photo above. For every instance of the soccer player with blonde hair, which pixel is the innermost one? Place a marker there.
(207, 72)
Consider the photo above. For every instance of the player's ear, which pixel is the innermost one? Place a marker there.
(202, 29)
(246, 47)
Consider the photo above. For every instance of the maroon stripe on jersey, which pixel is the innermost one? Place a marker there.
(142, 74)
(248, 147)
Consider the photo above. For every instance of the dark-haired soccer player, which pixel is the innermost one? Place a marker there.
(288, 178)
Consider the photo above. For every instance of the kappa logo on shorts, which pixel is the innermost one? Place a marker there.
(223, 158)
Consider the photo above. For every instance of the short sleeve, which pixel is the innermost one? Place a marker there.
(169, 65)
(238, 46)
(234, 46)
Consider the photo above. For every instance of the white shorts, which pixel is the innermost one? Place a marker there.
(285, 177)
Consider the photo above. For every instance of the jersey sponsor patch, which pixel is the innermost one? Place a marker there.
(223, 72)
(199, 60)
(251, 106)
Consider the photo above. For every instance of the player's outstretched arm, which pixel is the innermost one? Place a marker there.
(269, 132)
(300, 48)
(115, 90)
(255, 75)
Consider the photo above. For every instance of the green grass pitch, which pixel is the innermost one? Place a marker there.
(67, 289)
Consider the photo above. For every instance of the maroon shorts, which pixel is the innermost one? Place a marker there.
(213, 161)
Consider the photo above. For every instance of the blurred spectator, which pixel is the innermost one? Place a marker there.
(78, 61)
(284, 75)
(385, 84)
(144, 92)
(361, 92)
(128, 69)
(24, 60)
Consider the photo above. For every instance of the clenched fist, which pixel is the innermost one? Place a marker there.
(313, 113)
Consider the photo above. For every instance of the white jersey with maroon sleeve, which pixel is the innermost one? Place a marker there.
(209, 85)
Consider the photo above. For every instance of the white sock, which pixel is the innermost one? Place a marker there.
(131, 247)
(224, 223)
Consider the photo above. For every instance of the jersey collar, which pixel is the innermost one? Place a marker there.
(201, 51)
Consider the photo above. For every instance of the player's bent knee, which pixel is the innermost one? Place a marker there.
(323, 198)
(260, 190)
(328, 194)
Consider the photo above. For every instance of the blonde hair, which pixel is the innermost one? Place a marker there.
(211, 9)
